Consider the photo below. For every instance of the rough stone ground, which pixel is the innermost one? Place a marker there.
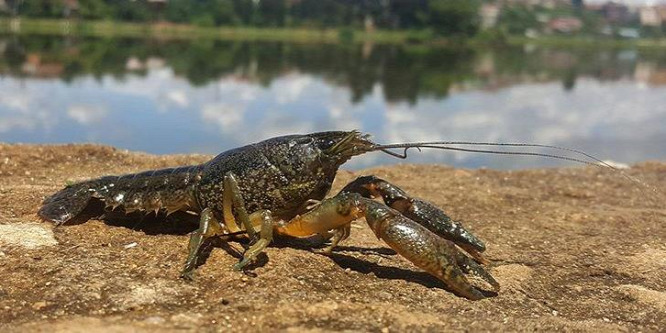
(574, 249)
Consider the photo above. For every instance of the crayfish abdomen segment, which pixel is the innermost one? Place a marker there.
(168, 189)
(165, 189)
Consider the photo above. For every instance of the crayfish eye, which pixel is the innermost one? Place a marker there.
(327, 144)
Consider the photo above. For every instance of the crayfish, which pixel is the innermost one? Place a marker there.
(279, 186)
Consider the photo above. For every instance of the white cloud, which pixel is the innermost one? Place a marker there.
(18, 102)
(86, 114)
(178, 97)
(225, 116)
(24, 108)
(289, 88)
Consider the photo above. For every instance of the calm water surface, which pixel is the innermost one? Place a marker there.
(208, 96)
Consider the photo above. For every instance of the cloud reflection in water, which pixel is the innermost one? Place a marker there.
(160, 112)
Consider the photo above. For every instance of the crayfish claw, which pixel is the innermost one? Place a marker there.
(471, 267)
(420, 211)
(430, 252)
(433, 218)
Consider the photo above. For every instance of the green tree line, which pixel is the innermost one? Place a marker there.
(446, 17)
(405, 72)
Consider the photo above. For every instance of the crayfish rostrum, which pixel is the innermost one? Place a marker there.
(279, 186)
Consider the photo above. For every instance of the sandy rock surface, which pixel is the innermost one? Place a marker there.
(575, 249)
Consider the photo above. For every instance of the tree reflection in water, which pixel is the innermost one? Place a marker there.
(62, 89)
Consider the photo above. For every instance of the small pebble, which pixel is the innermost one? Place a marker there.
(190, 318)
(555, 313)
(384, 295)
(154, 320)
(39, 305)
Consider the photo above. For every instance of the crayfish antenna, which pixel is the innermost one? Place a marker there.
(447, 145)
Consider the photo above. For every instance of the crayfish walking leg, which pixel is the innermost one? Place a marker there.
(209, 226)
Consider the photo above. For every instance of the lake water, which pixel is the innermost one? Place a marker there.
(208, 96)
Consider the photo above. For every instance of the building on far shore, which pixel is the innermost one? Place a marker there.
(615, 12)
(70, 8)
(652, 16)
(550, 4)
(649, 16)
(565, 25)
(4, 7)
(489, 13)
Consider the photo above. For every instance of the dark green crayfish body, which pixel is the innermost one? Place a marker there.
(279, 174)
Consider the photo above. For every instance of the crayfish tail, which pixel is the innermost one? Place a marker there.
(67, 203)
(168, 190)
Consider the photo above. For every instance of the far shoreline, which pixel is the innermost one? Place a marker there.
(339, 35)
